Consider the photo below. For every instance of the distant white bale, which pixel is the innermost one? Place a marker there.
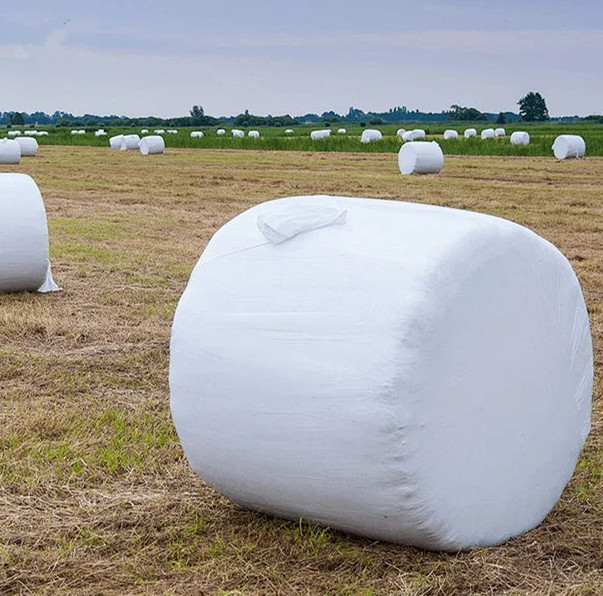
(10, 151)
(400, 132)
(370, 134)
(14, 133)
(520, 137)
(220, 132)
(446, 412)
(410, 135)
(172, 131)
(75, 132)
(29, 146)
(197, 134)
(43, 133)
(420, 133)
(450, 134)
(420, 157)
(159, 131)
(342, 131)
(30, 133)
(144, 131)
(237, 134)
(289, 131)
(81, 131)
(315, 135)
(488, 133)
(130, 142)
(566, 146)
(499, 132)
(152, 145)
(115, 142)
(254, 134)
(470, 132)
(24, 264)
(99, 133)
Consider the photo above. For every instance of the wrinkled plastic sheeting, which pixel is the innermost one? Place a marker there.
(24, 264)
(450, 134)
(499, 132)
(152, 145)
(420, 157)
(414, 374)
(520, 137)
(470, 132)
(115, 142)
(320, 134)
(488, 133)
(10, 151)
(400, 132)
(130, 142)
(29, 146)
(566, 146)
(370, 135)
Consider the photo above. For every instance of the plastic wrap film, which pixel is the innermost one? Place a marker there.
(488, 133)
(520, 137)
(254, 134)
(320, 134)
(10, 151)
(420, 157)
(370, 135)
(115, 142)
(152, 145)
(470, 132)
(566, 146)
(450, 134)
(29, 146)
(499, 132)
(130, 142)
(24, 264)
(406, 372)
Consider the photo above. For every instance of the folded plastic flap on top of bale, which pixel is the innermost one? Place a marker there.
(418, 374)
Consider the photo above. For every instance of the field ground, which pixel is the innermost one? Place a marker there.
(274, 138)
(95, 494)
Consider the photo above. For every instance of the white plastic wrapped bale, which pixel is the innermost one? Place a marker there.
(419, 133)
(566, 146)
(520, 137)
(10, 151)
(99, 133)
(499, 132)
(410, 373)
(144, 131)
(43, 133)
(470, 132)
(488, 133)
(400, 132)
(237, 134)
(370, 135)
(130, 142)
(75, 132)
(450, 134)
(220, 132)
(159, 131)
(30, 133)
(197, 134)
(81, 132)
(115, 142)
(29, 146)
(24, 264)
(289, 131)
(14, 133)
(315, 135)
(172, 131)
(410, 135)
(254, 134)
(342, 131)
(420, 157)
(152, 145)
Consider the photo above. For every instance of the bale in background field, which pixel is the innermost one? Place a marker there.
(24, 264)
(315, 135)
(29, 146)
(400, 132)
(152, 145)
(342, 131)
(130, 142)
(499, 132)
(237, 134)
(488, 133)
(197, 134)
(370, 134)
(520, 137)
(10, 151)
(406, 372)
(450, 134)
(289, 131)
(220, 132)
(254, 134)
(420, 157)
(469, 133)
(567, 146)
(115, 142)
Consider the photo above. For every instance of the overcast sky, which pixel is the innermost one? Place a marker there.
(159, 57)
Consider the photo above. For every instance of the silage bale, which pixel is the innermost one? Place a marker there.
(450, 134)
(144, 131)
(24, 264)
(14, 133)
(289, 131)
(499, 132)
(254, 134)
(75, 132)
(342, 131)
(81, 132)
(520, 137)
(469, 133)
(400, 132)
(410, 135)
(159, 131)
(172, 131)
(237, 134)
(30, 133)
(419, 133)
(130, 142)
(100, 133)
(487, 133)
(43, 133)
(197, 134)
(315, 135)
(447, 411)
(370, 135)
(29, 146)
(567, 146)
(420, 157)
(220, 132)
(10, 151)
(115, 142)
(152, 145)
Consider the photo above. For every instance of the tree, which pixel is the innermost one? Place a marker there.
(532, 108)
(197, 114)
(502, 119)
(462, 113)
(17, 119)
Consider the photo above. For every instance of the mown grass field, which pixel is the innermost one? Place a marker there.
(274, 138)
(96, 496)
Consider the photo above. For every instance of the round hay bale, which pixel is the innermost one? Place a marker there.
(197, 134)
(342, 131)
(400, 132)
(568, 146)
(220, 132)
(10, 151)
(520, 137)
(144, 131)
(29, 146)
(115, 142)
(450, 134)
(419, 133)
(487, 133)
(130, 142)
(24, 264)
(446, 410)
(316, 135)
(152, 145)
(289, 131)
(237, 134)
(420, 157)
(370, 135)
(159, 131)
(254, 134)
(469, 133)
(14, 133)
(499, 132)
